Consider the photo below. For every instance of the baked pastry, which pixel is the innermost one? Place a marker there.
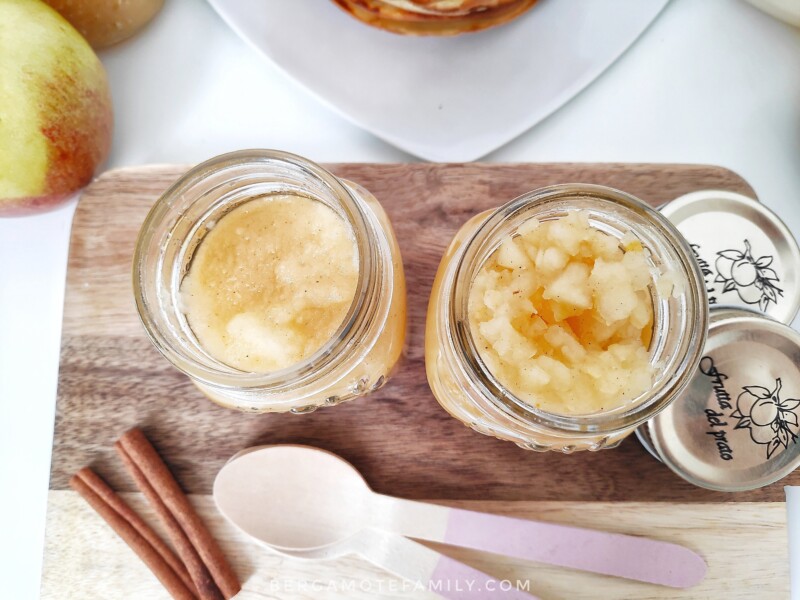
(434, 17)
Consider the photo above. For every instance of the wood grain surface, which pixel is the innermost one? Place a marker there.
(111, 377)
(744, 544)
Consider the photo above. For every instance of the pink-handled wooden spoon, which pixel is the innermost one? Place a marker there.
(302, 500)
(284, 508)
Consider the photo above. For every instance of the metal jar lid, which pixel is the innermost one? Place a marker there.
(643, 433)
(716, 313)
(747, 255)
(737, 425)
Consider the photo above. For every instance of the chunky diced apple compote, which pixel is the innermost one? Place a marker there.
(562, 316)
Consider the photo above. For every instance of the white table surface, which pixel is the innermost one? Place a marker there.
(712, 81)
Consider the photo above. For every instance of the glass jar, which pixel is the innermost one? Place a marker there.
(466, 388)
(355, 361)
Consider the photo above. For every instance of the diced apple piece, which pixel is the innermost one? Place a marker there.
(515, 349)
(533, 327)
(559, 374)
(602, 332)
(630, 242)
(511, 255)
(667, 285)
(565, 236)
(613, 292)
(562, 312)
(611, 383)
(640, 377)
(593, 368)
(638, 269)
(622, 352)
(551, 259)
(606, 247)
(642, 315)
(494, 330)
(617, 304)
(494, 299)
(506, 341)
(558, 337)
(524, 283)
(571, 287)
(528, 228)
(533, 376)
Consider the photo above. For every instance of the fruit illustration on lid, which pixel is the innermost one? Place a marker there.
(771, 421)
(753, 279)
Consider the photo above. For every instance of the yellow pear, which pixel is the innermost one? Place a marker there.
(55, 109)
(107, 22)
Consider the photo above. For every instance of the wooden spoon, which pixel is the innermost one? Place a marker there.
(243, 495)
(308, 502)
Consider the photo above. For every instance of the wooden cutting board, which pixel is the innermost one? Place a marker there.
(111, 378)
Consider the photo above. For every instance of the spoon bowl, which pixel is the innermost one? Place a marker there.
(293, 498)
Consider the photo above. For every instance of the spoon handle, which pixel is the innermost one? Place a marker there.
(615, 554)
(428, 570)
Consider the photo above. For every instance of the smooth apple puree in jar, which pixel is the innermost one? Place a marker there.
(271, 282)
(562, 316)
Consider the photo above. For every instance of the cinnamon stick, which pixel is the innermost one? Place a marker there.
(158, 475)
(135, 532)
(200, 576)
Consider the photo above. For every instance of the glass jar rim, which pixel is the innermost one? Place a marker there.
(212, 371)
(474, 253)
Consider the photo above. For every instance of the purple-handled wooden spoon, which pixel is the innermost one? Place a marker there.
(303, 499)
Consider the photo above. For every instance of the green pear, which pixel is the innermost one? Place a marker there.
(55, 109)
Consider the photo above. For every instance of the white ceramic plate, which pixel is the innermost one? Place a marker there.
(443, 99)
